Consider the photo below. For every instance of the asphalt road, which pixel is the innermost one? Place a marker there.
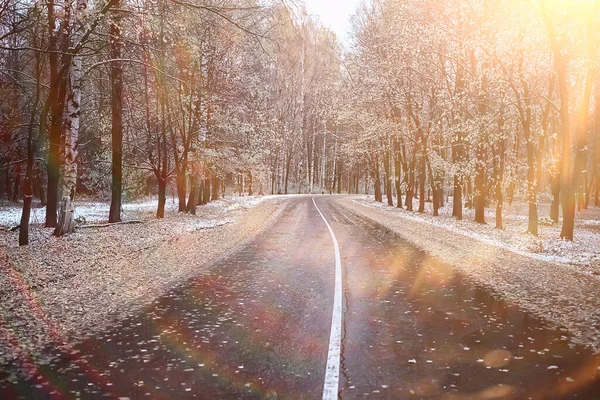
(257, 325)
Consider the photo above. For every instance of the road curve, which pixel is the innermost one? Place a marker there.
(257, 324)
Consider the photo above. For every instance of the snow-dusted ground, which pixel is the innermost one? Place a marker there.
(583, 253)
(59, 289)
(93, 212)
(553, 279)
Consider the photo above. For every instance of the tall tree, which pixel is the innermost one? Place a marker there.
(116, 76)
(66, 220)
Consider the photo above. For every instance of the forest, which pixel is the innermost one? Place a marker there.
(474, 103)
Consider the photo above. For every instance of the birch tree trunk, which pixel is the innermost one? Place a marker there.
(56, 96)
(66, 217)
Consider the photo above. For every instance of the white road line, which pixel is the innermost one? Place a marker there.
(332, 374)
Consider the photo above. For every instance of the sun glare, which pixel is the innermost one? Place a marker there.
(327, 199)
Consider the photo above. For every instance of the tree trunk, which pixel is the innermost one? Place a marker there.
(66, 220)
(410, 189)
(28, 186)
(388, 179)
(434, 190)
(398, 172)
(315, 168)
(568, 208)
(200, 200)
(162, 171)
(581, 203)
(457, 159)
(499, 182)
(581, 145)
(26, 213)
(206, 191)
(596, 149)
(597, 185)
(560, 66)
(250, 183)
(29, 172)
(116, 75)
(531, 186)
(53, 166)
(422, 174)
(499, 206)
(334, 178)
(468, 190)
(162, 197)
(216, 187)
(588, 193)
(377, 181)
(182, 187)
(288, 164)
(39, 186)
(193, 199)
(339, 180)
(56, 99)
(457, 207)
(480, 185)
(274, 174)
(555, 205)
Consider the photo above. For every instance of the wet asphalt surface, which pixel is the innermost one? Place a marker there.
(256, 325)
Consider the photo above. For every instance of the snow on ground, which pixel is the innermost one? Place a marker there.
(94, 212)
(59, 289)
(545, 276)
(583, 253)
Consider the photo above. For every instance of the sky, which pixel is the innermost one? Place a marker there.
(334, 13)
